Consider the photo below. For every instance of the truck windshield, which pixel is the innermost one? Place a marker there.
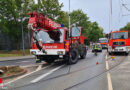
(120, 35)
(102, 41)
(50, 37)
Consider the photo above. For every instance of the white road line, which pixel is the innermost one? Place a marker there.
(107, 66)
(44, 75)
(109, 81)
(23, 61)
(108, 76)
(26, 74)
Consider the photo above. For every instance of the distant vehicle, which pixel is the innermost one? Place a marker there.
(119, 42)
(98, 48)
(103, 42)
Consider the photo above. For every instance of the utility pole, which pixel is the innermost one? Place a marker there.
(69, 20)
(110, 21)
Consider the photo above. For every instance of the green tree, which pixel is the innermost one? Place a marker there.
(126, 27)
(50, 8)
(63, 19)
(11, 12)
(91, 30)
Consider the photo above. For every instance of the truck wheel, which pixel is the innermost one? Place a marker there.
(83, 56)
(126, 53)
(49, 61)
(101, 51)
(73, 56)
(110, 53)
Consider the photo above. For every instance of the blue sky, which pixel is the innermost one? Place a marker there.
(99, 11)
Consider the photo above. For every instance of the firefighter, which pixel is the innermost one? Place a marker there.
(95, 48)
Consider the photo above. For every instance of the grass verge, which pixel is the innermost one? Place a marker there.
(14, 53)
(9, 71)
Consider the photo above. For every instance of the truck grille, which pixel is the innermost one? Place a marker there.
(118, 43)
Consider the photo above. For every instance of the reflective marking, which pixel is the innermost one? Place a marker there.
(44, 75)
(107, 66)
(109, 81)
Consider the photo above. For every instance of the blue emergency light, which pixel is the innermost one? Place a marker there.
(62, 25)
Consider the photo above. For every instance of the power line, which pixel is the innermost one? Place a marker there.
(124, 5)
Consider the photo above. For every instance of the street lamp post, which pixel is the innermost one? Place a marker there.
(69, 19)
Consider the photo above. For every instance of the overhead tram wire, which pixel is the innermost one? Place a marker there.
(120, 12)
(126, 8)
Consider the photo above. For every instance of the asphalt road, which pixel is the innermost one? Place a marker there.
(85, 75)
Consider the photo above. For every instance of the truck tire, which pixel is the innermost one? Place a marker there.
(73, 56)
(49, 61)
(100, 50)
(126, 53)
(83, 55)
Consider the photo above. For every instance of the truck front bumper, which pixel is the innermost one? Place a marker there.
(48, 52)
(118, 49)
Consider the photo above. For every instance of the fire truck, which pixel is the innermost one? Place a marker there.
(119, 42)
(103, 42)
(52, 41)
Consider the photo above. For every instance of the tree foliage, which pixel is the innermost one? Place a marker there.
(91, 29)
(50, 8)
(11, 12)
(126, 27)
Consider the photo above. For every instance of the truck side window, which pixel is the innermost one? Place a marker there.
(129, 34)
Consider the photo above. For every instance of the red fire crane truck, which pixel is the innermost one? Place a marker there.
(51, 41)
(119, 42)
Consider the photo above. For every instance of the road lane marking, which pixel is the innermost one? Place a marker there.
(44, 75)
(107, 66)
(27, 74)
(23, 62)
(109, 81)
(108, 76)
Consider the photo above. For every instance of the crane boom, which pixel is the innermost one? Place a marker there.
(39, 21)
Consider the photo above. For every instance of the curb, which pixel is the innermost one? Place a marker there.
(16, 75)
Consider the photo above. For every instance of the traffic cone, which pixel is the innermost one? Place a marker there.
(97, 63)
(1, 83)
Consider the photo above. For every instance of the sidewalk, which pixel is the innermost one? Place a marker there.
(15, 58)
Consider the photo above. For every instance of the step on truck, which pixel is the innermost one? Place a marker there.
(52, 41)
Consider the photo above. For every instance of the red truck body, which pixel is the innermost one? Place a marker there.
(51, 41)
(119, 42)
